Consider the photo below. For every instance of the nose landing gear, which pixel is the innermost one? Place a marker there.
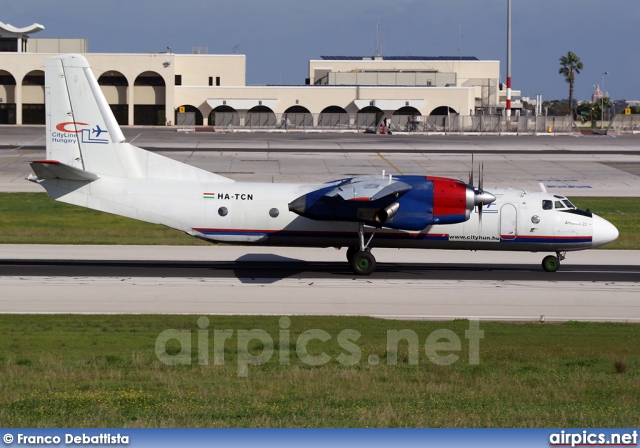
(551, 263)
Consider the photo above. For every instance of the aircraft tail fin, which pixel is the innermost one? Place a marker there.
(82, 131)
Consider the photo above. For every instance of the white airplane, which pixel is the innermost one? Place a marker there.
(101, 171)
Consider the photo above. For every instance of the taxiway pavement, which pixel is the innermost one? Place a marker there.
(597, 285)
(568, 165)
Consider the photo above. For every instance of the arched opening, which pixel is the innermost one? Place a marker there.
(259, 117)
(369, 117)
(190, 117)
(407, 110)
(438, 120)
(443, 110)
(407, 118)
(224, 116)
(114, 85)
(297, 117)
(149, 91)
(33, 110)
(333, 117)
(8, 95)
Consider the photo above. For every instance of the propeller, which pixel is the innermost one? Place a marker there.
(481, 197)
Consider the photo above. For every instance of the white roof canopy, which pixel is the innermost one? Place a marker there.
(7, 30)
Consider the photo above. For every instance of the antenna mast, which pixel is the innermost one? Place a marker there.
(379, 42)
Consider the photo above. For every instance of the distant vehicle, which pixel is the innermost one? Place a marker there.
(359, 213)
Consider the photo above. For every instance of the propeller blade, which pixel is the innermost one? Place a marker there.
(481, 197)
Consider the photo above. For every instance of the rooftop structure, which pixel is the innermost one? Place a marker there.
(15, 39)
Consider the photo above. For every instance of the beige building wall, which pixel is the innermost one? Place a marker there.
(484, 76)
(115, 94)
(317, 98)
(464, 69)
(196, 69)
(33, 94)
(194, 89)
(7, 93)
(57, 46)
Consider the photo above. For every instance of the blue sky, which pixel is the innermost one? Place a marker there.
(280, 37)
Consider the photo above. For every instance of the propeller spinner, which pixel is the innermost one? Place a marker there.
(480, 197)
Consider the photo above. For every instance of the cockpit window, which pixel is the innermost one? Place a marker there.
(547, 205)
(568, 203)
(559, 204)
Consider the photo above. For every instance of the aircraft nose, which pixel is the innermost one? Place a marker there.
(603, 231)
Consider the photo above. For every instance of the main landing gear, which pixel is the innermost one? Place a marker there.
(360, 258)
(551, 263)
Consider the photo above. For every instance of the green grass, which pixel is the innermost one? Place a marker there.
(33, 218)
(79, 371)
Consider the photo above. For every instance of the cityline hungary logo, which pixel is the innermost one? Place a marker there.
(62, 127)
(68, 132)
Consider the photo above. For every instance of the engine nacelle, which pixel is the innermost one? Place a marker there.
(431, 200)
(453, 200)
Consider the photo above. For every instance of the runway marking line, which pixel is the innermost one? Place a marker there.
(16, 158)
(389, 163)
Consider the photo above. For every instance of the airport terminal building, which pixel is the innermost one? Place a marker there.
(202, 89)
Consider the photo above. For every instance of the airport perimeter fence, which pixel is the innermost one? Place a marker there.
(481, 124)
(626, 123)
(294, 121)
(233, 121)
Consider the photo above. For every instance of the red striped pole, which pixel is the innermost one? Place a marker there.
(508, 58)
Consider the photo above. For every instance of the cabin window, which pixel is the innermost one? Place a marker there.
(547, 205)
(274, 212)
(222, 211)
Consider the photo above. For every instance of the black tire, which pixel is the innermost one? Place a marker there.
(363, 263)
(550, 263)
(351, 251)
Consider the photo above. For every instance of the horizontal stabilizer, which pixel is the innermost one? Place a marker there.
(52, 169)
(369, 188)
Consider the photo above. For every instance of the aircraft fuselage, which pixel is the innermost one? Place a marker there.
(257, 213)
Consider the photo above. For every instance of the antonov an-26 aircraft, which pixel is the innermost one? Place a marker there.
(89, 163)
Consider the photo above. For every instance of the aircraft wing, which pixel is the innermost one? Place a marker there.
(369, 188)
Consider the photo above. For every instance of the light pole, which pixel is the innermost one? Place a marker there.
(602, 102)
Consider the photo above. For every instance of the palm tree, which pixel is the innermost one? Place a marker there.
(570, 66)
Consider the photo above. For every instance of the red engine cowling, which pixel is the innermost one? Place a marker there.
(453, 200)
